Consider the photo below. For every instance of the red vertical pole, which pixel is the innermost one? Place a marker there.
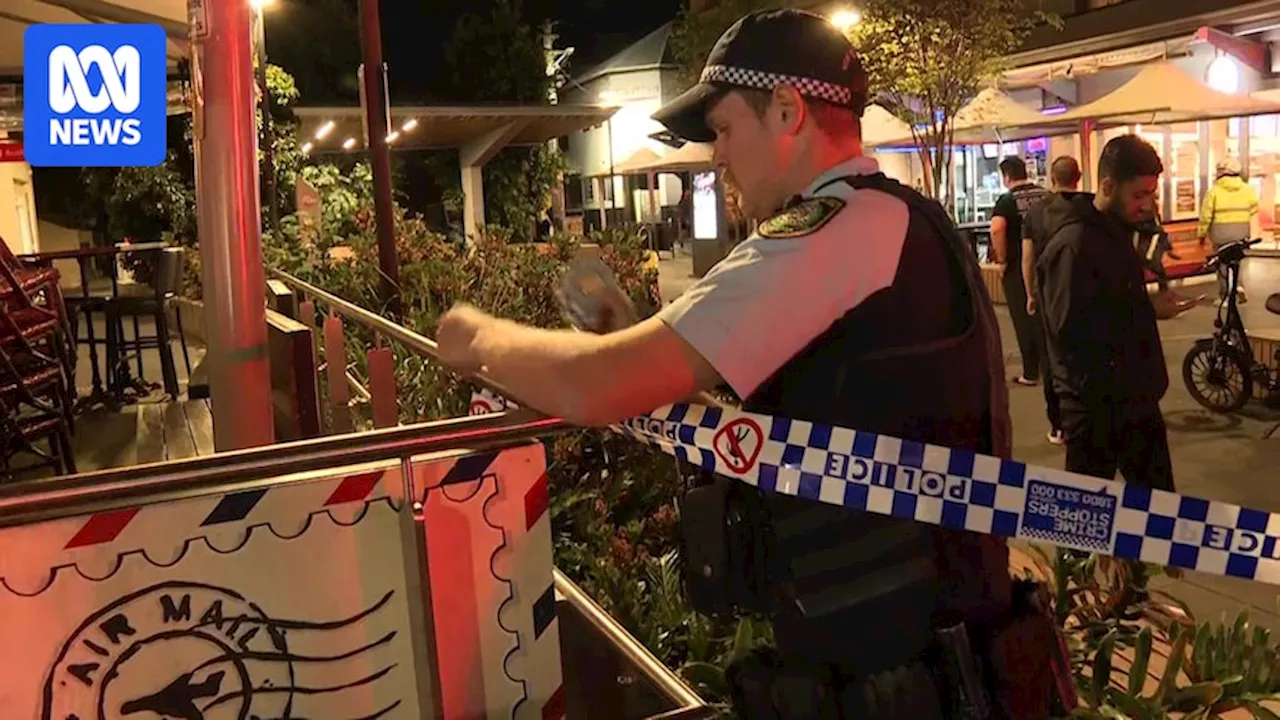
(230, 224)
(375, 109)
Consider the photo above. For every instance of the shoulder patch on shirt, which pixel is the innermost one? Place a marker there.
(805, 218)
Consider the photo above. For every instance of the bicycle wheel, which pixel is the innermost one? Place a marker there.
(1218, 376)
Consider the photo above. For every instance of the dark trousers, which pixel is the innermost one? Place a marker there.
(1129, 438)
(1052, 406)
(1024, 327)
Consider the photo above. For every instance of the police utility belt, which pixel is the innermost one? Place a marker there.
(731, 568)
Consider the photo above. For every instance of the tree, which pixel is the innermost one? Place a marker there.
(927, 58)
(497, 57)
(319, 41)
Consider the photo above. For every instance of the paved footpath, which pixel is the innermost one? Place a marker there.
(1214, 457)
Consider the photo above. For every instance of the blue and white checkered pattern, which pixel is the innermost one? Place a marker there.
(964, 490)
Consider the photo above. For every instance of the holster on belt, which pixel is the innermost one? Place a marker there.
(1027, 656)
(724, 547)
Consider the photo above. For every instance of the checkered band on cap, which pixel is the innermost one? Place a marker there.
(760, 80)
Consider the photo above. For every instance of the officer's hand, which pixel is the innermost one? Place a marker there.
(1031, 306)
(455, 337)
(1169, 305)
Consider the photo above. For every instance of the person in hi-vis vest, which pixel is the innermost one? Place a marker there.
(1229, 213)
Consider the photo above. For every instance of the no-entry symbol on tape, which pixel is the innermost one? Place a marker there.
(738, 444)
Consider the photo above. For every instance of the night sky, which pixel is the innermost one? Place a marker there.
(308, 38)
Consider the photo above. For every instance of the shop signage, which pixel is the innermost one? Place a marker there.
(11, 152)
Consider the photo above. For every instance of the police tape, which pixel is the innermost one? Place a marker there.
(963, 490)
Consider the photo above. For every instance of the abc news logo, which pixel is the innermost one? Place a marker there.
(69, 91)
(95, 95)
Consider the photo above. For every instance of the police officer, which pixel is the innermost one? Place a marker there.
(854, 304)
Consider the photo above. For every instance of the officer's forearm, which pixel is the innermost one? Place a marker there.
(536, 365)
(587, 379)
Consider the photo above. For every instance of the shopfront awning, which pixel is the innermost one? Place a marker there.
(1083, 65)
(17, 15)
(1164, 93)
(993, 116)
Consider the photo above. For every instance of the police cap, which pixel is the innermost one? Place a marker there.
(765, 49)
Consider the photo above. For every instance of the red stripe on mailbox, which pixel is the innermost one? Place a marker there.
(536, 501)
(353, 488)
(102, 528)
(554, 709)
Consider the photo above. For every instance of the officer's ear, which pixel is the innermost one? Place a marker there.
(789, 108)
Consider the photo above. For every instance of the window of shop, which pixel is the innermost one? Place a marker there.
(978, 181)
(1182, 160)
(1263, 166)
(1191, 152)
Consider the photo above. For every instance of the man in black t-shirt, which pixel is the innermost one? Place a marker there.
(1006, 244)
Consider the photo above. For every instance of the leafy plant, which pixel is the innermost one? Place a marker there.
(1228, 666)
(1097, 598)
(1116, 627)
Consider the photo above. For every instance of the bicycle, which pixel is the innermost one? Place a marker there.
(1220, 372)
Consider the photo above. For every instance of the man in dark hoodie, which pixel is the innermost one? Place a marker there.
(1104, 347)
(1064, 174)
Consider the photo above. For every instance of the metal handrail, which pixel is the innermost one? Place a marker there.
(419, 344)
(653, 670)
(260, 467)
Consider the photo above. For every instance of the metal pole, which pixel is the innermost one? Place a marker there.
(375, 109)
(268, 125)
(230, 227)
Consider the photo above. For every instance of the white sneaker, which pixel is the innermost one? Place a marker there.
(1056, 437)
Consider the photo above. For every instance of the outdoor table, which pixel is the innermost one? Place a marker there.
(113, 395)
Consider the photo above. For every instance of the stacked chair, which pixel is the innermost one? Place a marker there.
(37, 367)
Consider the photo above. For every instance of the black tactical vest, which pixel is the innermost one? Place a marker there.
(866, 590)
